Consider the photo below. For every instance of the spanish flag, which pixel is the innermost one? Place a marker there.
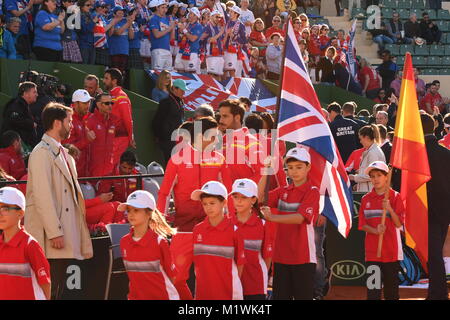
(410, 155)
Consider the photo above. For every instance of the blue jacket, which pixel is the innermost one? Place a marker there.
(7, 48)
(86, 35)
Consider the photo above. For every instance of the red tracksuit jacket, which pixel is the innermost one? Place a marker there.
(12, 163)
(122, 112)
(188, 170)
(101, 149)
(122, 187)
(78, 139)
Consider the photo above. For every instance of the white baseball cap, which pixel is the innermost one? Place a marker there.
(214, 188)
(301, 154)
(379, 165)
(236, 9)
(215, 12)
(173, 3)
(245, 187)
(81, 95)
(153, 3)
(205, 11)
(195, 11)
(12, 196)
(140, 199)
(160, 3)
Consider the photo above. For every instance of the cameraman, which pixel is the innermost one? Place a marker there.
(17, 115)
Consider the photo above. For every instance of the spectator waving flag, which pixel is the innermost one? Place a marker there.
(350, 52)
(301, 121)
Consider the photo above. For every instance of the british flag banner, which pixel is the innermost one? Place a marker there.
(301, 122)
(206, 89)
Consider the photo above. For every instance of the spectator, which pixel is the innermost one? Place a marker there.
(7, 46)
(420, 84)
(235, 40)
(395, 29)
(13, 27)
(370, 79)
(163, 85)
(47, 33)
(188, 58)
(382, 117)
(91, 85)
(213, 36)
(381, 96)
(257, 37)
(23, 11)
(276, 23)
(302, 45)
(247, 17)
(344, 131)
(381, 37)
(431, 99)
(102, 124)
(135, 60)
(443, 108)
(204, 110)
(304, 21)
(325, 40)
(369, 137)
(100, 29)
(314, 44)
(80, 137)
(385, 144)
(11, 158)
(247, 103)
(438, 189)
(169, 117)
(258, 67)
(274, 56)
(71, 51)
(161, 30)
(397, 83)
(17, 114)
(412, 29)
(55, 213)
(118, 41)
(429, 30)
(297, 24)
(387, 69)
(363, 114)
(325, 66)
(344, 79)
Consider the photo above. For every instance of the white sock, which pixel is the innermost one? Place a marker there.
(447, 265)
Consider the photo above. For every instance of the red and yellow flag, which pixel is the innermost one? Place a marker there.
(410, 155)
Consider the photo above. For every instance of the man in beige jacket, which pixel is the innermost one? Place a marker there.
(55, 205)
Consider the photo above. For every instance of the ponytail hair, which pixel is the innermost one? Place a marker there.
(370, 131)
(159, 224)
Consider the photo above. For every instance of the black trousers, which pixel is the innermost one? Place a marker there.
(389, 280)
(58, 274)
(293, 281)
(46, 54)
(437, 233)
(255, 297)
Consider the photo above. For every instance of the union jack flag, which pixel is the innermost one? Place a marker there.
(301, 122)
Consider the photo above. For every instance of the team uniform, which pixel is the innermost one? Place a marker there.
(294, 249)
(12, 162)
(187, 171)
(98, 211)
(214, 51)
(217, 253)
(354, 161)
(149, 267)
(124, 122)
(161, 56)
(121, 188)
(101, 149)
(233, 44)
(244, 155)
(370, 214)
(23, 268)
(79, 139)
(187, 59)
(258, 238)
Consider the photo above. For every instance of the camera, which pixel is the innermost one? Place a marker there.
(45, 82)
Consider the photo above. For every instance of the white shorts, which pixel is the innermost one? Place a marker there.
(230, 61)
(174, 50)
(215, 65)
(191, 65)
(161, 60)
(239, 69)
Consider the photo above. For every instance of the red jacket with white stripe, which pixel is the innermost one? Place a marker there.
(122, 111)
(188, 170)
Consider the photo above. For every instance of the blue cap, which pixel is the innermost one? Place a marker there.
(117, 8)
(180, 84)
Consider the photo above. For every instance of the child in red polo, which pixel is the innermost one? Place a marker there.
(218, 248)
(258, 239)
(296, 207)
(24, 270)
(145, 250)
(370, 212)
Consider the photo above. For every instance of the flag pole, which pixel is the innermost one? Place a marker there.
(277, 112)
(383, 216)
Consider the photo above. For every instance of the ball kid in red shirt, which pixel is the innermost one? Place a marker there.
(296, 207)
(370, 212)
(145, 250)
(258, 239)
(219, 254)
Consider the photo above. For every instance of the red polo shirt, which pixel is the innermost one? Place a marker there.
(433, 100)
(258, 243)
(370, 214)
(23, 268)
(217, 253)
(294, 243)
(149, 267)
(272, 30)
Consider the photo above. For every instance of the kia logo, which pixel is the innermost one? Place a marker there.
(348, 270)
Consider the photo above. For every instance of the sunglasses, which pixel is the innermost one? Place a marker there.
(276, 20)
(107, 103)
